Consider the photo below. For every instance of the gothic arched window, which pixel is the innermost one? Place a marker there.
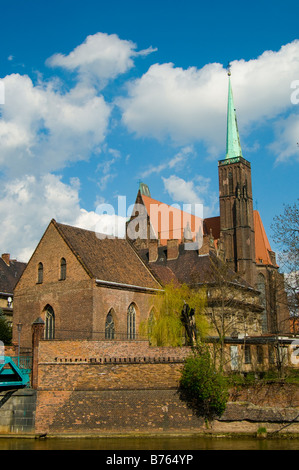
(131, 322)
(261, 286)
(151, 320)
(109, 326)
(62, 269)
(40, 273)
(49, 323)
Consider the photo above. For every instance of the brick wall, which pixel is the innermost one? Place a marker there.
(102, 387)
(113, 411)
(80, 305)
(119, 300)
(53, 351)
(97, 386)
(101, 365)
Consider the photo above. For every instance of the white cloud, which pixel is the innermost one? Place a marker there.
(41, 129)
(190, 105)
(286, 143)
(178, 160)
(170, 101)
(28, 203)
(181, 190)
(105, 167)
(196, 191)
(99, 58)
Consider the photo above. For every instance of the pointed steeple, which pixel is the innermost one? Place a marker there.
(233, 146)
(144, 189)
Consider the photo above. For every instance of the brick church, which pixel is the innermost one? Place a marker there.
(86, 287)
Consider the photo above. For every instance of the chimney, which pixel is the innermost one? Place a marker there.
(153, 250)
(6, 258)
(172, 249)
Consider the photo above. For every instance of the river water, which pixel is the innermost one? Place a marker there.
(148, 444)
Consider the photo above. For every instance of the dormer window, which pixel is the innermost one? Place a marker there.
(62, 269)
(40, 273)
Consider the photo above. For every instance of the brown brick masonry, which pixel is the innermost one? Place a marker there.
(98, 351)
(109, 386)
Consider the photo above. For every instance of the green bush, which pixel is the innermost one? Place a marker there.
(5, 331)
(202, 387)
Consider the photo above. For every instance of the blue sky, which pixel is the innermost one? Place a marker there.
(100, 95)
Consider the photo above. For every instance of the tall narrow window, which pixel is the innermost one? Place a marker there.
(271, 353)
(131, 322)
(49, 323)
(247, 354)
(259, 354)
(234, 357)
(109, 326)
(261, 286)
(62, 269)
(151, 320)
(230, 183)
(40, 273)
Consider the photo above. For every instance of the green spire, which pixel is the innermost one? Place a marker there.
(233, 146)
(144, 189)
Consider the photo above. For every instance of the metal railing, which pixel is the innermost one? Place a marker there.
(23, 362)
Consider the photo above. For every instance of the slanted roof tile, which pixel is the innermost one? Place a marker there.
(262, 245)
(10, 274)
(107, 259)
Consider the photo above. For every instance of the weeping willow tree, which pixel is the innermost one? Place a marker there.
(177, 317)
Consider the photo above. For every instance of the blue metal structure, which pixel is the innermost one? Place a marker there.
(14, 372)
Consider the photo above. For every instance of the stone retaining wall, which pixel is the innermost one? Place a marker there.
(17, 411)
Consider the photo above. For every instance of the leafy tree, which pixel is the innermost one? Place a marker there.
(286, 235)
(229, 308)
(177, 317)
(201, 386)
(5, 330)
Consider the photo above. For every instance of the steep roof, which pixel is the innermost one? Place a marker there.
(111, 260)
(262, 245)
(233, 146)
(212, 224)
(191, 268)
(169, 222)
(9, 274)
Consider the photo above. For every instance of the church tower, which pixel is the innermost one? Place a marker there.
(235, 199)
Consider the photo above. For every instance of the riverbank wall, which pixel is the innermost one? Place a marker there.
(17, 411)
(116, 388)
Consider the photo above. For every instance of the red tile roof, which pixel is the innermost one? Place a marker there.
(107, 259)
(262, 245)
(168, 222)
(179, 219)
